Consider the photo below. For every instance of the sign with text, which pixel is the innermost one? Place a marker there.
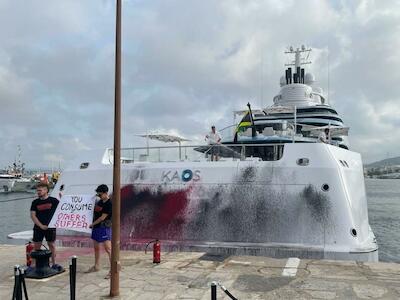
(74, 212)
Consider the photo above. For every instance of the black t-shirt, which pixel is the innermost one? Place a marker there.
(101, 208)
(44, 209)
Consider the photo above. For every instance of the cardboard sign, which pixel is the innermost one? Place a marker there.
(74, 212)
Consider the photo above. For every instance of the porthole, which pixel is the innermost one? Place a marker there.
(84, 165)
(325, 187)
(353, 232)
(187, 175)
(303, 161)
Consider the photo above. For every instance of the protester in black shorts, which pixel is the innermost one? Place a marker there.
(42, 210)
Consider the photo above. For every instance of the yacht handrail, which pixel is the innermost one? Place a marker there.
(201, 145)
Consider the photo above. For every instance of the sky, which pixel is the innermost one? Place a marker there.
(187, 65)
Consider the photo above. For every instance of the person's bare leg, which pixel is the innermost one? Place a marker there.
(96, 255)
(107, 247)
(52, 248)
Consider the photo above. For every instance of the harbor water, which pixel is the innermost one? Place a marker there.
(383, 206)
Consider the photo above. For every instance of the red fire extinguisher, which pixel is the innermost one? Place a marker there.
(29, 248)
(156, 251)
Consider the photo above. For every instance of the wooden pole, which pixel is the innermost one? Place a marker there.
(116, 200)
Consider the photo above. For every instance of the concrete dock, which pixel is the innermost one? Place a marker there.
(187, 275)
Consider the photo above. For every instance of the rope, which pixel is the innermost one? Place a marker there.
(17, 199)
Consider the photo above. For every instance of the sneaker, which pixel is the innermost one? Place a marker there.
(57, 267)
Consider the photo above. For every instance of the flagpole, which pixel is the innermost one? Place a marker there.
(116, 200)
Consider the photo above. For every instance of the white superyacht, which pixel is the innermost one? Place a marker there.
(275, 190)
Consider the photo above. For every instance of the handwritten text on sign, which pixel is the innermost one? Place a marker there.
(74, 212)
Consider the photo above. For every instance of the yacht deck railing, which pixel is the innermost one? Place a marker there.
(272, 151)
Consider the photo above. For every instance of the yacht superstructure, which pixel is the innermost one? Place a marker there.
(275, 191)
(300, 111)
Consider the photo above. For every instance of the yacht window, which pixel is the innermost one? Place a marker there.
(266, 153)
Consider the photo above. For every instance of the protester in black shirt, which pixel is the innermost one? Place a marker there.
(42, 210)
(101, 227)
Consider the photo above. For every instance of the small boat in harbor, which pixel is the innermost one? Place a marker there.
(13, 179)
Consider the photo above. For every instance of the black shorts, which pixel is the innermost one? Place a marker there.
(39, 234)
(214, 150)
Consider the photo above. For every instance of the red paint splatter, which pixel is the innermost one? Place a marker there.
(148, 214)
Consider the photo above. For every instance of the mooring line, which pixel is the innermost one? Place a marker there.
(17, 199)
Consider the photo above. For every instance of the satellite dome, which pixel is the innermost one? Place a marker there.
(309, 78)
(282, 81)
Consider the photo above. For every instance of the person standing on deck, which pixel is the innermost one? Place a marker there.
(101, 227)
(42, 210)
(324, 136)
(213, 138)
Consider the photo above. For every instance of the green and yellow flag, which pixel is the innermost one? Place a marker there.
(245, 123)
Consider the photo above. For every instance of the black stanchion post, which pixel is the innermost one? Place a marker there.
(74, 274)
(22, 281)
(18, 294)
(16, 282)
(72, 278)
(213, 290)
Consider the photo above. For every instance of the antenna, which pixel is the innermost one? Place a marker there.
(19, 154)
(262, 79)
(299, 60)
(329, 99)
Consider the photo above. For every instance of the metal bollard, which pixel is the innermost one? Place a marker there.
(72, 278)
(213, 290)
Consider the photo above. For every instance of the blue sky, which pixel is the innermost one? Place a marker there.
(186, 65)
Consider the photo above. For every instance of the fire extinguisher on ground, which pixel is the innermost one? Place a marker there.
(156, 251)
(29, 248)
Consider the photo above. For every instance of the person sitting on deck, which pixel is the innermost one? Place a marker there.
(213, 138)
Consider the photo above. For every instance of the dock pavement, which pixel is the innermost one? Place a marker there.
(188, 275)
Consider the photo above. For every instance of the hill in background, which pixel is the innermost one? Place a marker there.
(385, 162)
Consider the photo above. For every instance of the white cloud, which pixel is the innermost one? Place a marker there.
(187, 64)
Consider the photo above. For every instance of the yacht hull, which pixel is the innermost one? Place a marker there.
(6, 185)
(16, 185)
(275, 208)
(22, 185)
